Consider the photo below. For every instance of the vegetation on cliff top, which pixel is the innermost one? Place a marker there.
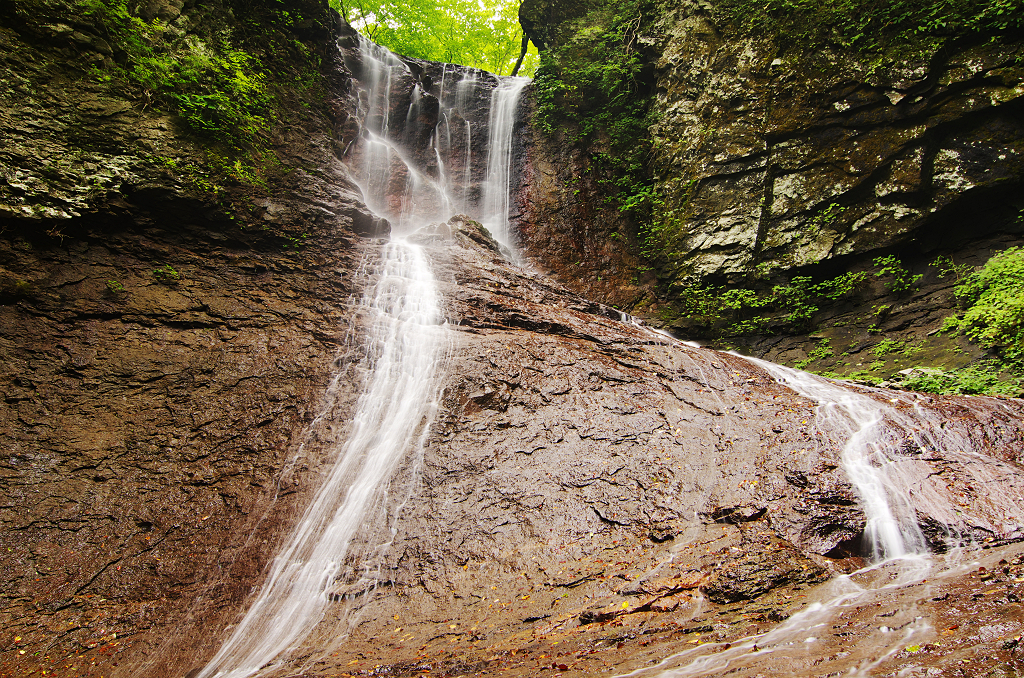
(593, 91)
(871, 25)
(479, 33)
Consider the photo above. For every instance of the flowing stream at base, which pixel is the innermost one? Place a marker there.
(404, 344)
(893, 541)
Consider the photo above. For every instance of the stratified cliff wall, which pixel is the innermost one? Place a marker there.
(168, 322)
(772, 163)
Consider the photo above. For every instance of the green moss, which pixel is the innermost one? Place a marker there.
(218, 88)
(868, 26)
(228, 71)
(986, 377)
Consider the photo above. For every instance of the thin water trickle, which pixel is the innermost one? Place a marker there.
(868, 457)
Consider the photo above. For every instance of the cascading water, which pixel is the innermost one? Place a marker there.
(499, 159)
(404, 348)
(891, 488)
(404, 344)
(891, 529)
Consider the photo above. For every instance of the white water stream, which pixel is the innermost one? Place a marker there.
(497, 186)
(888, 490)
(404, 348)
(868, 457)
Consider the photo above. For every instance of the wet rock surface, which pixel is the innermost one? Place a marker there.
(150, 427)
(592, 497)
(593, 493)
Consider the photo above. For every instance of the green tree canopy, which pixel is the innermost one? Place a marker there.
(480, 33)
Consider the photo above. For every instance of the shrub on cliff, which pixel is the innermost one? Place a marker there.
(593, 91)
(219, 66)
(994, 301)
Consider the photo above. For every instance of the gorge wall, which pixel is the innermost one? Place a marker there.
(774, 161)
(168, 328)
(592, 496)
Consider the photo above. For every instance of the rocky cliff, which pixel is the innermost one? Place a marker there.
(592, 495)
(168, 328)
(774, 161)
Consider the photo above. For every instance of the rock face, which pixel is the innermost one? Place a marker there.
(164, 347)
(807, 158)
(775, 164)
(587, 476)
(570, 231)
(591, 494)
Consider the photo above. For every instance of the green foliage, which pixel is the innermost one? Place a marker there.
(948, 268)
(115, 287)
(887, 346)
(828, 217)
(219, 89)
(993, 298)
(843, 285)
(483, 34)
(820, 352)
(742, 311)
(592, 91)
(900, 281)
(870, 26)
(986, 377)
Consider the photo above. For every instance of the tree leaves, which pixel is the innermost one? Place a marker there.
(480, 33)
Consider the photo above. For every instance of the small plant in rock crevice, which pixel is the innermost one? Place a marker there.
(900, 281)
(167, 274)
(820, 352)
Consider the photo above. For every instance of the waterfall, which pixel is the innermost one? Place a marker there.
(403, 351)
(868, 457)
(497, 184)
(404, 345)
